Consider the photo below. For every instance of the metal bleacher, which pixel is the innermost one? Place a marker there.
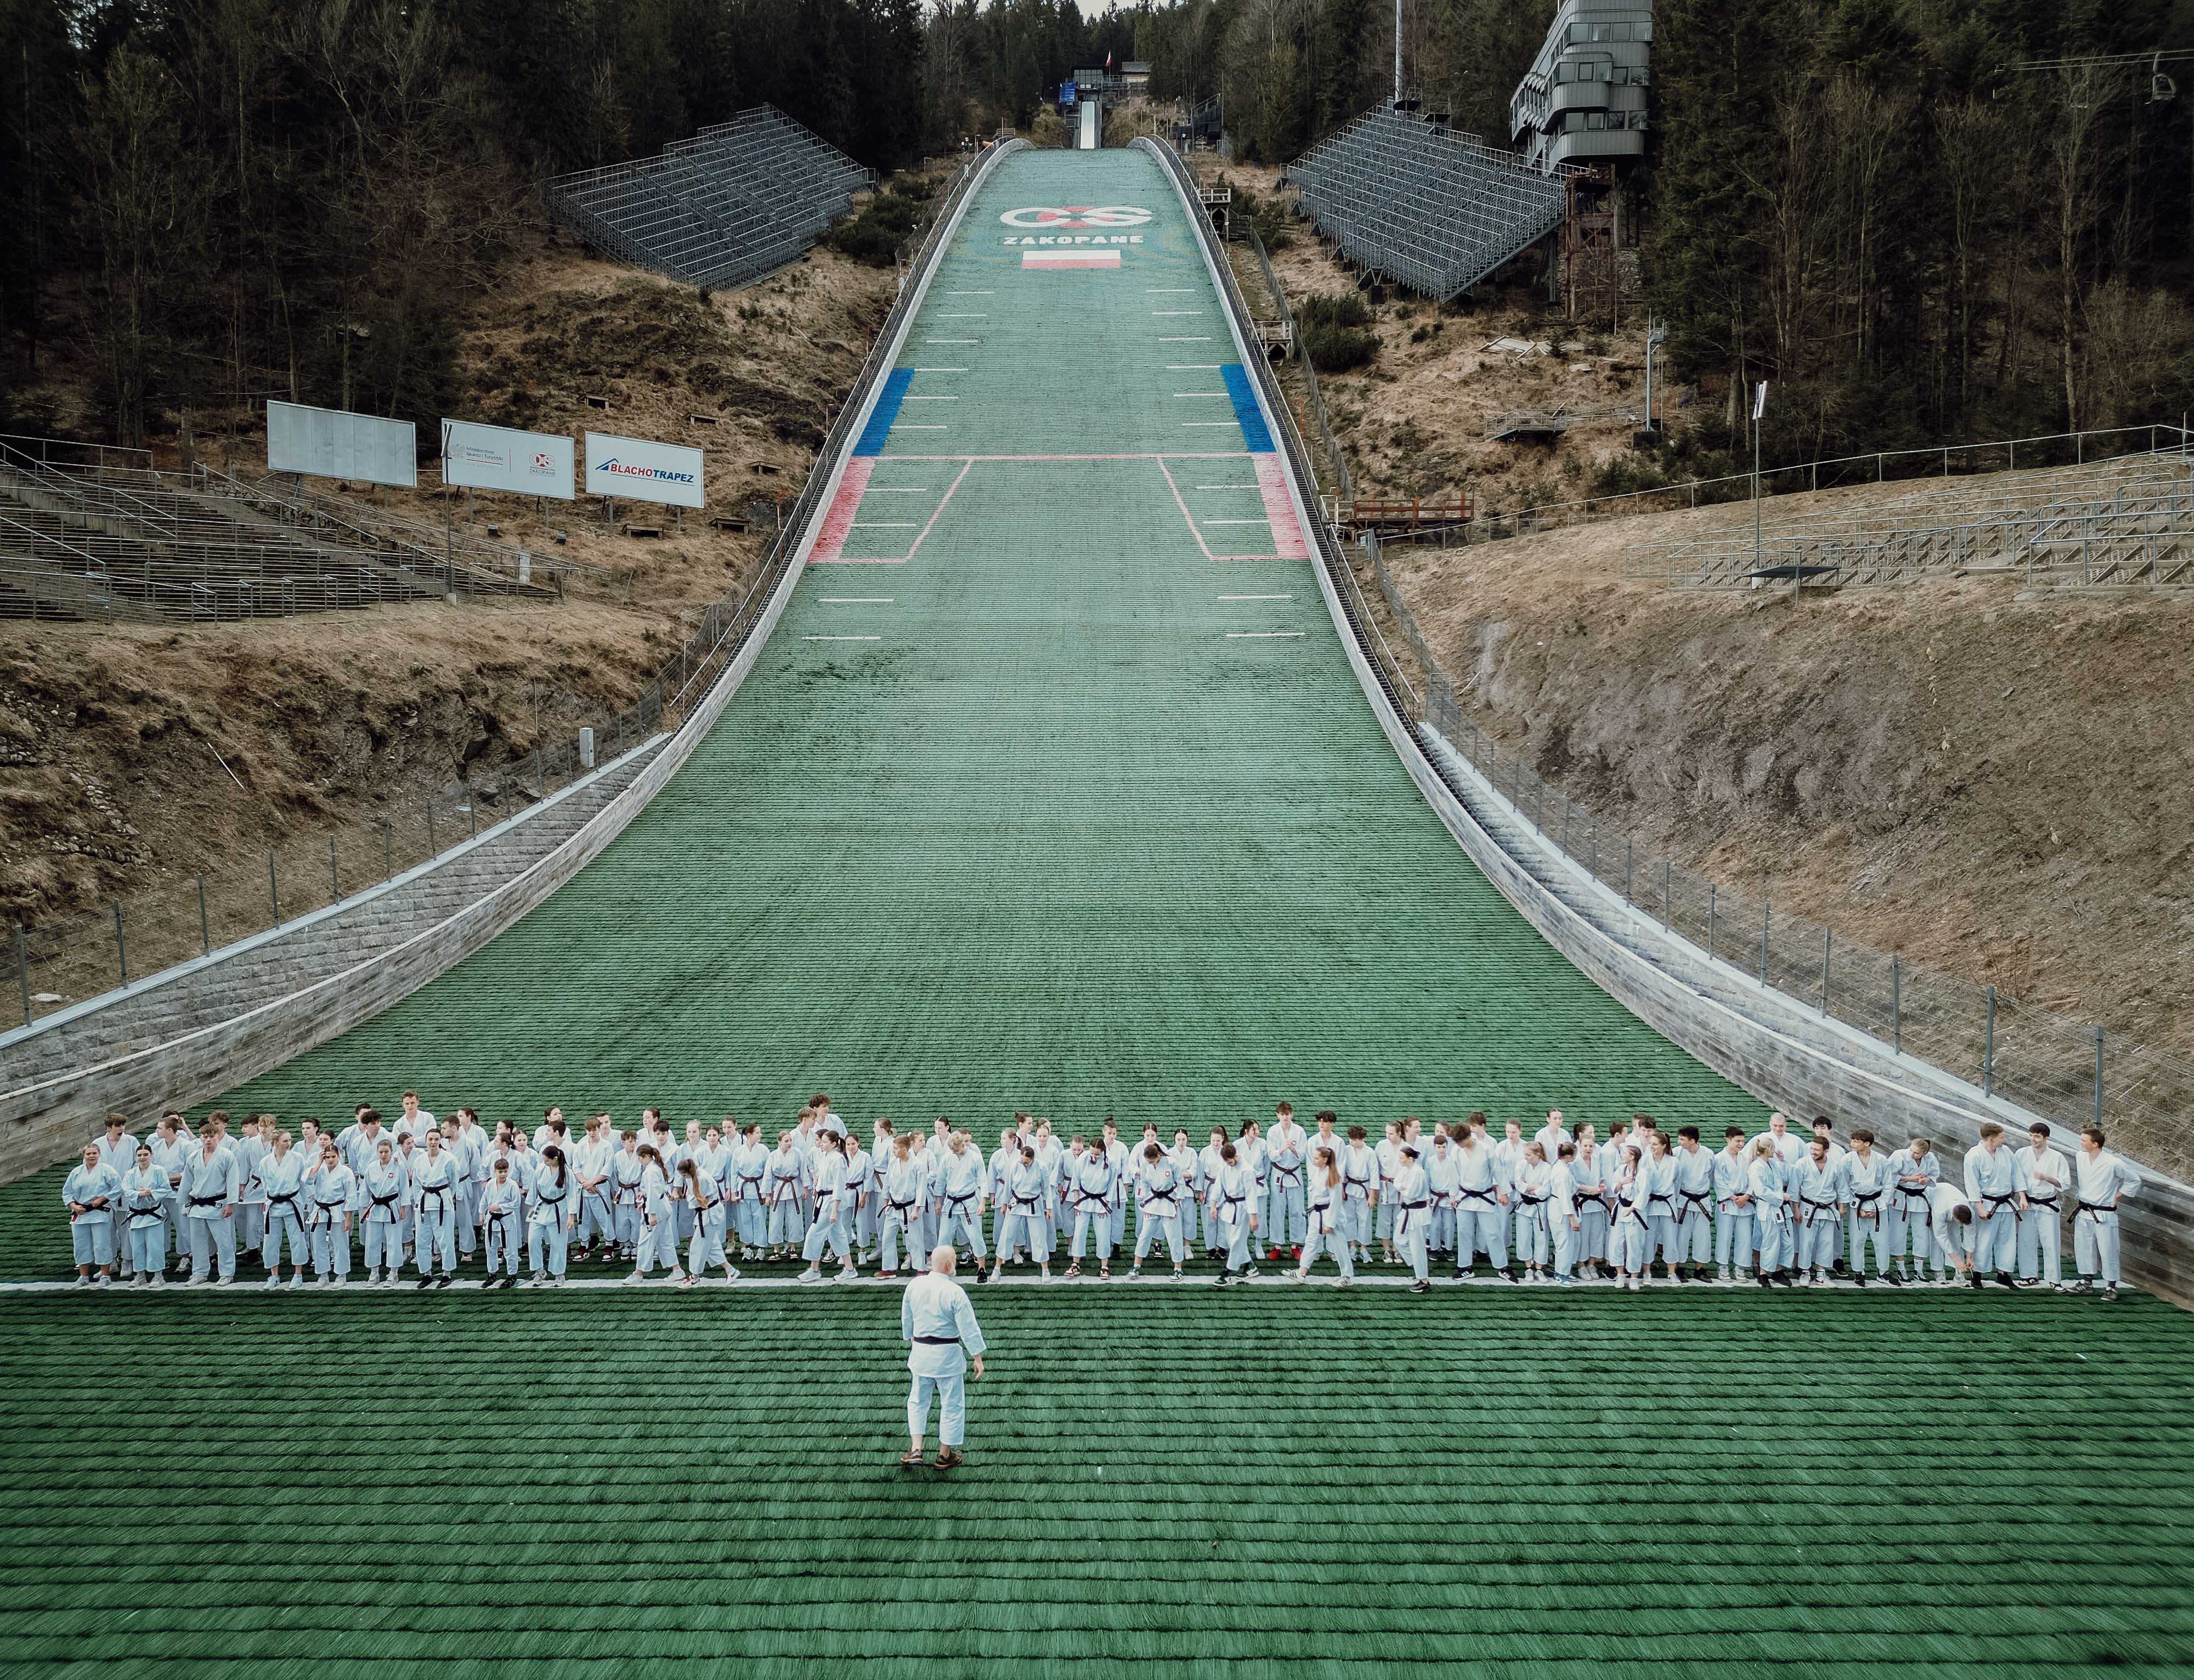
(1433, 209)
(736, 202)
(99, 534)
(2128, 520)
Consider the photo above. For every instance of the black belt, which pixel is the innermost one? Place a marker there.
(1652, 1196)
(441, 1196)
(2049, 1201)
(900, 1207)
(329, 1207)
(1026, 1210)
(155, 1211)
(552, 1200)
(275, 1201)
(1348, 1183)
(2098, 1209)
(388, 1200)
(1292, 1174)
(1859, 1200)
(1911, 1196)
(207, 1201)
(952, 1202)
(1819, 1207)
(1082, 1198)
(937, 1341)
(1999, 1201)
(1489, 1196)
(1701, 1201)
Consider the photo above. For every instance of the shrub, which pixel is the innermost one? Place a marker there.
(876, 234)
(1333, 349)
(1334, 309)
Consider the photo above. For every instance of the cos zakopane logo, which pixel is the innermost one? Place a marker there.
(1077, 215)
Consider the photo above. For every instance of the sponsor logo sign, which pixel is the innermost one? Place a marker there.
(495, 458)
(1077, 215)
(644, 471)
(335, 443)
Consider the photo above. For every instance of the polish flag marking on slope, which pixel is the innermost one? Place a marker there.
(1070, 259)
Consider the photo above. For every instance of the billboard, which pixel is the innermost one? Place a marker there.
(495, 458)
(334, 443)
(644, 471)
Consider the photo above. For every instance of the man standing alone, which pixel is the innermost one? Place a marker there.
(937, 1318)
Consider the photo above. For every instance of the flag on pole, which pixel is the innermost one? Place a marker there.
(1760, 399)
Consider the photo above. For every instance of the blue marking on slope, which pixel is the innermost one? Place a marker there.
(872, 440)
(1255, 432)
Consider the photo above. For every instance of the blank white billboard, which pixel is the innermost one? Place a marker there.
(644, 471)
(335, 443)
(495, 458)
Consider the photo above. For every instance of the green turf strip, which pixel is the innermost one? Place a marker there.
(1182, 1481)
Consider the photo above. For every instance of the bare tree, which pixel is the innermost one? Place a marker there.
(141, 207)
(2076, 146)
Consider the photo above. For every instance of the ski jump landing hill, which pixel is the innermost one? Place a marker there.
(1050, 783)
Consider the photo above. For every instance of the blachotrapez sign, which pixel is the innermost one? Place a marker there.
(643, 471)
(495, 458)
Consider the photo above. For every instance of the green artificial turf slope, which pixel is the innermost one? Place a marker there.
(1173, 1480)
(1057, 840)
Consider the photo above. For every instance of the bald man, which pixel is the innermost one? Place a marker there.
(938, 1319)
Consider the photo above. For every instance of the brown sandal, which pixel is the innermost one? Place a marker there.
(946, 1457)
(912, 1460)
(1074, 1270)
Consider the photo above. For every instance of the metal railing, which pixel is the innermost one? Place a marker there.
(60, 962)
(2071, 1072)
(1939, 461)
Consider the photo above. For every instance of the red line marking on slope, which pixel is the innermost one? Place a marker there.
(831, 541)
(1279, 512)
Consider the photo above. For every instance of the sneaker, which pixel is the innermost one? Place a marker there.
(1223, 1279)
(1250, 1271)
(1297, 1275)
(1342, 1282)
(1563, 1280)
(1419, 1286)
(1178, 1274)
(1135, 1271)
(677, 1274)
(996, 1274)
(687, 1281)
(83, 1280)
(445, 1280)
(812, 1275)
(731, 1275)
(224, 1282)
(2109, 1291)
(271, 1283)
(631, 1277)
(849, 1274)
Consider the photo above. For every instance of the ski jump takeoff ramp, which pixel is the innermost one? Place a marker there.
(1052, 789)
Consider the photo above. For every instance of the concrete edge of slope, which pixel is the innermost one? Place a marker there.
(1746, 1032)
(191, 1032)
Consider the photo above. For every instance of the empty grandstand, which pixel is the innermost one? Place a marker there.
(2128, 520)
(1436, 211)
(102, 534)
(734, 202)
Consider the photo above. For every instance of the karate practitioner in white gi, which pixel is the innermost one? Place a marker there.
(938, 1321)
(2103, 1182)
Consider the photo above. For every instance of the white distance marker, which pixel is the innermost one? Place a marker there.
(841, 639)
(1232, 598)
(1261, 635)
(1205, 340)
(883, 600)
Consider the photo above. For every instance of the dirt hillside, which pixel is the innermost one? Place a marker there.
(109, 778)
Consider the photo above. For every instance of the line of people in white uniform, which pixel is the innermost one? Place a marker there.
(1558, 1207)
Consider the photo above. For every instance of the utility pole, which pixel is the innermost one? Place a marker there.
(1398, 55)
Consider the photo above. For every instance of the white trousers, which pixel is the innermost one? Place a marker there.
(212, 1241)
(2041, 1245)
(951, 1392)
(2095, 1246)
